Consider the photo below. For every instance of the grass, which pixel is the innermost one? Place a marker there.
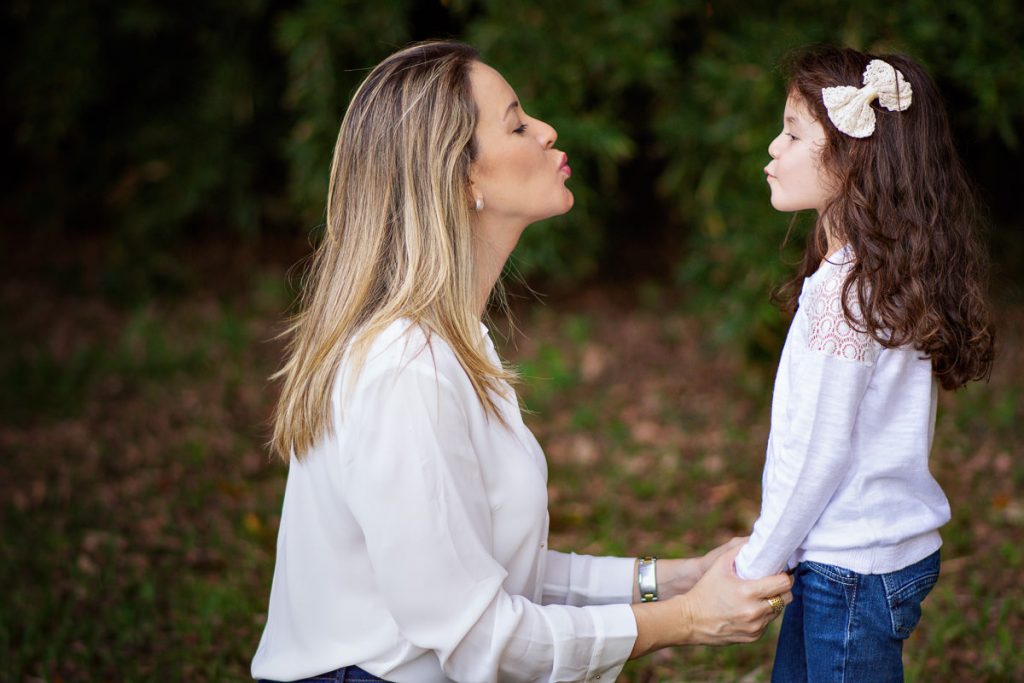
(139, 508)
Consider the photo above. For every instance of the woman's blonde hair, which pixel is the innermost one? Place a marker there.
(398, 241)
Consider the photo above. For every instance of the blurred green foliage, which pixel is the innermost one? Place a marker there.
(150, 123)
(327, 55)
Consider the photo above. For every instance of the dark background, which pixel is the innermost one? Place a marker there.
(150, 127)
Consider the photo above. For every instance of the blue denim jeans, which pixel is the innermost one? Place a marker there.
(850, 627)
(346, 674)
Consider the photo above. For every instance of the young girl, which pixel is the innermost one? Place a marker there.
(889, 303)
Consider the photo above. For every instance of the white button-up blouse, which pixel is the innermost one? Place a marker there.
(413, 541)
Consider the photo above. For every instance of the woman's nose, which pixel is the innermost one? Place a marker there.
(546, 134)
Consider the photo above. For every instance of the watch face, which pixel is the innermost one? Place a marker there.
(647, 580)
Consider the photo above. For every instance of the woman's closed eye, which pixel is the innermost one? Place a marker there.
(520, 129)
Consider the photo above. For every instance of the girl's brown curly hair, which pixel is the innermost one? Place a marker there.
(906, 207)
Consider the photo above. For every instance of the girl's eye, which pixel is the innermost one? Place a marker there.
(790, 136)
(520, 130)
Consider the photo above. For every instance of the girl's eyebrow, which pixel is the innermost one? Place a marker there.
(791, 120)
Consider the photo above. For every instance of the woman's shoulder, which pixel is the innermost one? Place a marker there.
(401, 353)
(405, 345)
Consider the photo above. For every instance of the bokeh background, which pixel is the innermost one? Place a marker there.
(165, 167)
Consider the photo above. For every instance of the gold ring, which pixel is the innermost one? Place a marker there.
(777, 603)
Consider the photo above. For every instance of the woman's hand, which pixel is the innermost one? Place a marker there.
(705, 562)
(721, 608)
(676, 577)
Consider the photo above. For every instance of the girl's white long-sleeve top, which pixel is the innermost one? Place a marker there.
(846, 479)
(413, 541)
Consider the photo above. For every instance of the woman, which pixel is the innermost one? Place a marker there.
(413, 540)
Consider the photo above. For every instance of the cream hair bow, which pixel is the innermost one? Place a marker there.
(849, 108)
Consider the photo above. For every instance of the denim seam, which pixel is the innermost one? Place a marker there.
(828, 572)
(850, 618)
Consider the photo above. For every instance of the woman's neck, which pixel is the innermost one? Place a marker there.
(494, 241)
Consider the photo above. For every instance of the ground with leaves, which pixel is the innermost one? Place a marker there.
(139, 508)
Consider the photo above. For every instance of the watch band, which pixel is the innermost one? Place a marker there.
(647, 579)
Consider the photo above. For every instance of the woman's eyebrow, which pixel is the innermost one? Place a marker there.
(514, 105)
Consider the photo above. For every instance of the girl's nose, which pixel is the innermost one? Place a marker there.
(773, 147)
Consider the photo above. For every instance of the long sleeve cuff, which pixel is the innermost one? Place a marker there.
(616, 630)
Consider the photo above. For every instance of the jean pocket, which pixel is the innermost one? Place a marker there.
(905, 589)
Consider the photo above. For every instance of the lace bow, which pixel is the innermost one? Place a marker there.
(849, 108)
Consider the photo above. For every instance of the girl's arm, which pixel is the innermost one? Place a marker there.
(809, 457)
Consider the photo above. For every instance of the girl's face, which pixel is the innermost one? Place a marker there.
(518, 172)
(795, 175)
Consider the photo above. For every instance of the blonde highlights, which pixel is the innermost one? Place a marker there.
(398, 241)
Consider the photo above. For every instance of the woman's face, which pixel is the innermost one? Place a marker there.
(517, 172)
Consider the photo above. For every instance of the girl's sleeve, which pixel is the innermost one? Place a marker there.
(414, 485)
(571, 579)
(813, 457)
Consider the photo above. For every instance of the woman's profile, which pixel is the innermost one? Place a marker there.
(414, 532)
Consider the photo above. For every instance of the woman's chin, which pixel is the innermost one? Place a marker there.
(570, 201)
(563, 206)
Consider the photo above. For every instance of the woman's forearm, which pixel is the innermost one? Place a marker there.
(678, 576)
(675, 577)
(658, 625)
(719, 609)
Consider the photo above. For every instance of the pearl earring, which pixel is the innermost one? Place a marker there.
(479, 204)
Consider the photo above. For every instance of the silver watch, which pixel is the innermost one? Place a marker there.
(647, 579)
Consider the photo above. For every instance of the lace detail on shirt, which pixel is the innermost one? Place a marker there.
(829, 332)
